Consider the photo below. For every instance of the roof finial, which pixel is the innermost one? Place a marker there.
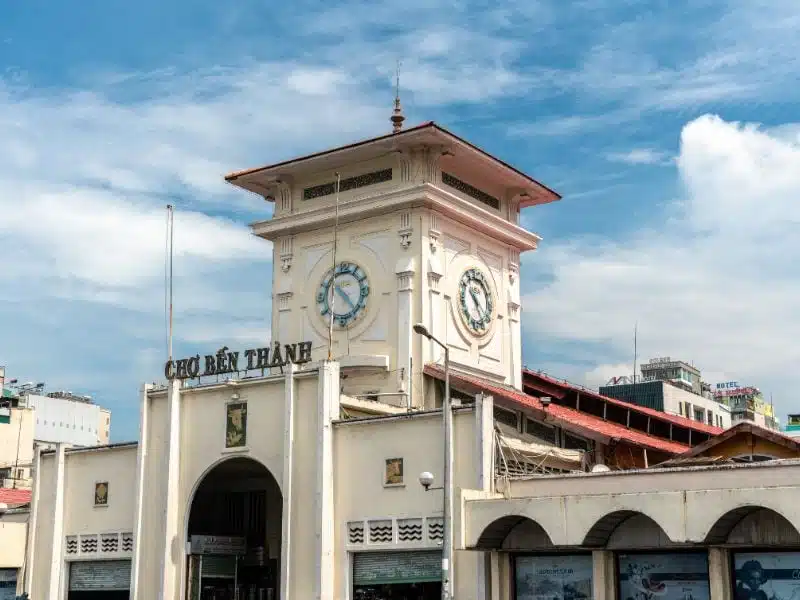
(397, 117)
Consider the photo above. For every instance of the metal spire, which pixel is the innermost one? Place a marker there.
(397, 117)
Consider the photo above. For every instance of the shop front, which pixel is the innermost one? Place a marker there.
(99, 580)
(221, 568)
(410, 575)
(8, 584)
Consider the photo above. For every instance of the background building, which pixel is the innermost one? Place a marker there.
(31, 417)
(678, 373)
(747, 405)
(792, 425)
(674, 387)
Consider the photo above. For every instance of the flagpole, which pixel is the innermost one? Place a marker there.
(333, 270)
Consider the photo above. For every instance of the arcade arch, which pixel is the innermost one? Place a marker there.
(234, 532)
(753, 526)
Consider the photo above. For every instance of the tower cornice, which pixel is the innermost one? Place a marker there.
(423, 195)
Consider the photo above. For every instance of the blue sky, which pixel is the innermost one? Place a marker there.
(670, 128)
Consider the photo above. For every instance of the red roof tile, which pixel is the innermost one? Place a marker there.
(12, 497)
(573, 419)
(650, 412)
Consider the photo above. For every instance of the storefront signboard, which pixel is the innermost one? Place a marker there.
(554, 577)
(679, 576)
(763, 575)
(217, 544)
(224, 361)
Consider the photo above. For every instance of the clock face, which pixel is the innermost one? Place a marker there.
(475, 300)
(343, 293)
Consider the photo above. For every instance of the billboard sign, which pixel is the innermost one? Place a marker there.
(563, 577)
(767, 574)
(727, 385)
(678, 576)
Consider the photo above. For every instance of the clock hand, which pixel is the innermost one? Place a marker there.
(345, 296)
(477, 302)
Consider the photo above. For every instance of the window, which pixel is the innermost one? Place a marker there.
(572, 442)
(540, 430)
(505, 416)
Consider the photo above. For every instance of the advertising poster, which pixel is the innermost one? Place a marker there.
(766, 576)
(554, 577)
(663, 577)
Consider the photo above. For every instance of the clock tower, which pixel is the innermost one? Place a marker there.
(418, 226)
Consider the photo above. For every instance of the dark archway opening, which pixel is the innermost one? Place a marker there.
(234, 533)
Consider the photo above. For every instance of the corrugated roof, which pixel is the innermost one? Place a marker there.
(12, 497)
(575, 420)
(650, 412)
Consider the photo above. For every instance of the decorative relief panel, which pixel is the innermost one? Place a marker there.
(405, 230)
(350, 183)
(513, 265)
(415, 531)
(88, 544)
(112, 544)
(355, 532)
(471, 191)
(435, 529)
(109, 542)
(409, 530)
(286, 253)
(381, 532)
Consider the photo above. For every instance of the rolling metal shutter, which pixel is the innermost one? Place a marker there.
(90, 576)
(8, 584)
(379, 568)
(218, 567)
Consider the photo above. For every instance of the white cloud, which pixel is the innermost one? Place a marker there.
(640, 156)
(717, 283)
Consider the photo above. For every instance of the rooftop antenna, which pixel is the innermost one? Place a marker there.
(635, 351)
(168, 276)
(397, 117)
(333, 271)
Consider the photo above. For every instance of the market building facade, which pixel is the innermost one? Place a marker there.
(290, 470)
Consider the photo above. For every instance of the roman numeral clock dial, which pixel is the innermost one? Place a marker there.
(476, 302)
(343, 292)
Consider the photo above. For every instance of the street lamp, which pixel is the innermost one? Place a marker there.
(447, 542)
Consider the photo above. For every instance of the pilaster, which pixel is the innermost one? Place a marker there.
(484, 430)
(328, 409)
(33, 520)
(141, 460)
(171, 473)
(57, 541)
(514, 326)
(405, 288)
(604, 575)
(288, 477)
(435, 301)
(495, 584)
(719, 573)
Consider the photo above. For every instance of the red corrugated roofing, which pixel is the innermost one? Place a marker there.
(650, 412)
(569, 416)
(12, 497)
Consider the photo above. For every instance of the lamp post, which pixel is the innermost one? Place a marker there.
(447, 542)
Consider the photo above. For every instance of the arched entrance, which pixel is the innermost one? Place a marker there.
(234, 533)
